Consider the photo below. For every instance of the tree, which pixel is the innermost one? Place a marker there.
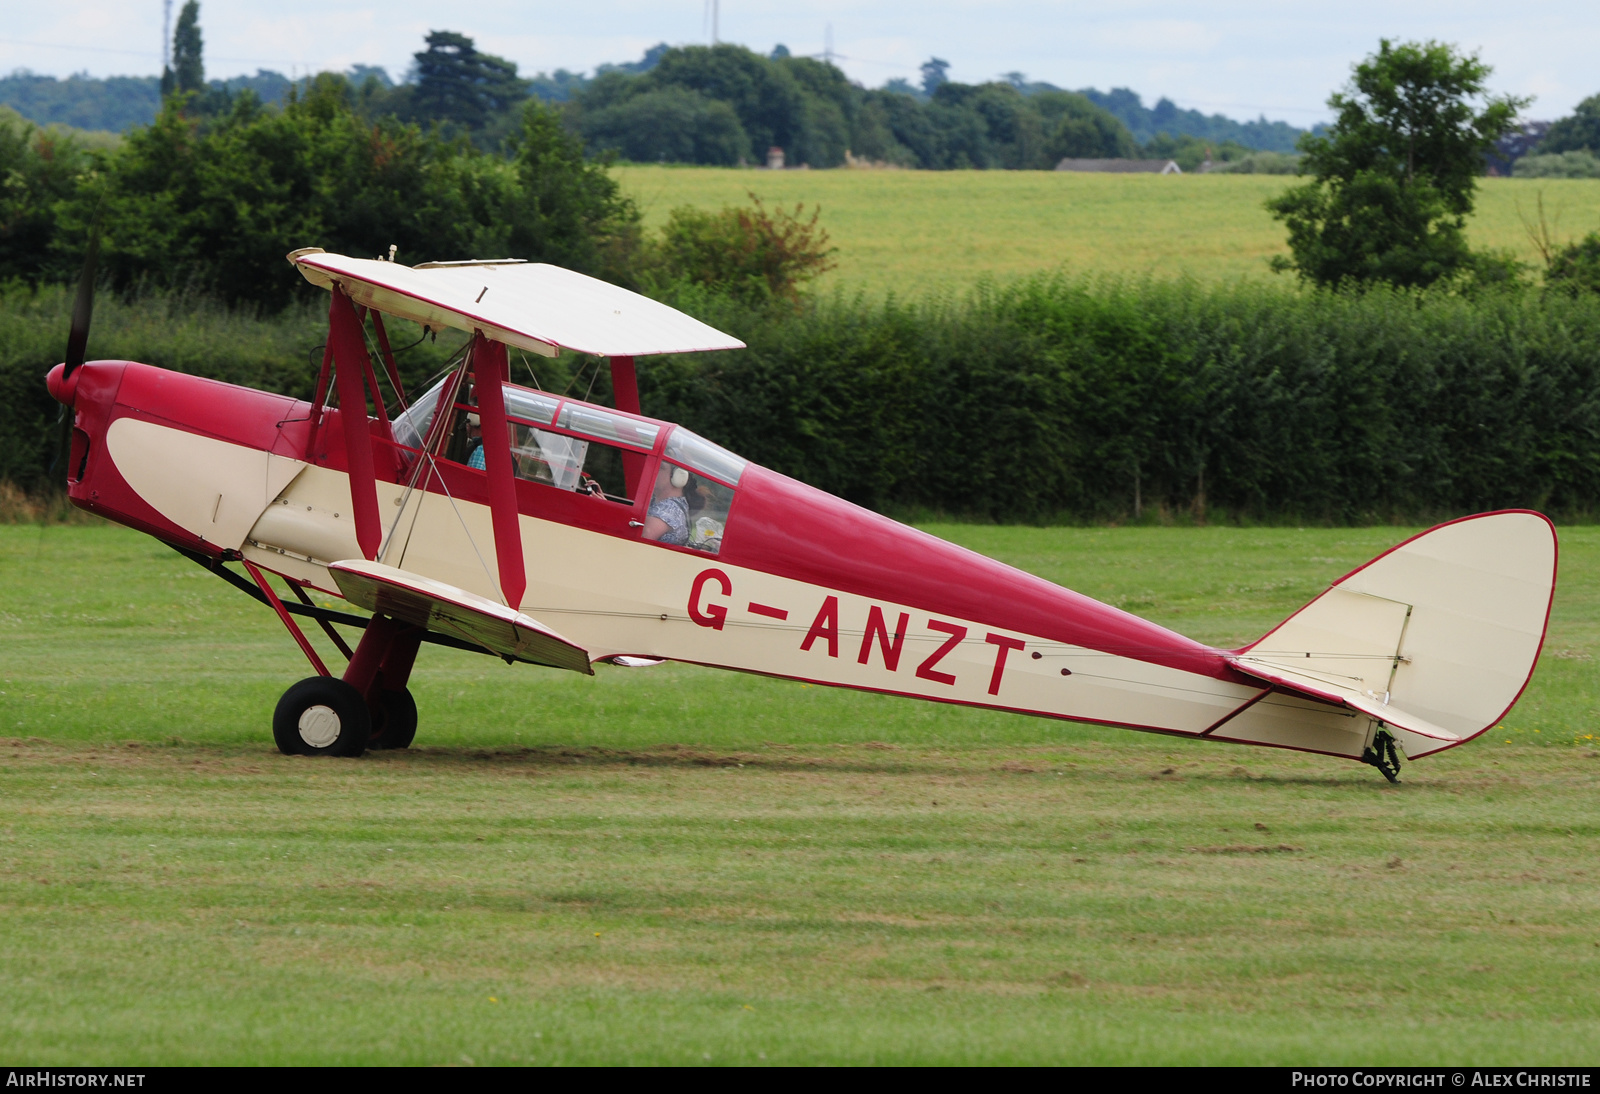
(188, 68)
(1576, 266)
(1394, 176)
(568, 210)
(749, 253)
(456, 83)
(1578, 133)
(673, 124)
(934, 71)
(214, 205)
(829, 105)
(1081, 130)
(763, 93)
(40, 169)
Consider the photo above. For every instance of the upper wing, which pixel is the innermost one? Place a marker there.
(447, 609)
(533, 306)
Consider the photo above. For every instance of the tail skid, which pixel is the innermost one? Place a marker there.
(1430, 643)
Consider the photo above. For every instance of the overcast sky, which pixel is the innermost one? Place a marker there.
(1236, 57)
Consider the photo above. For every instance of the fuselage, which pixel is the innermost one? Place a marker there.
(789, 582)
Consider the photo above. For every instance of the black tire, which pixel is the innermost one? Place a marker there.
(399, 720)
(340, 728)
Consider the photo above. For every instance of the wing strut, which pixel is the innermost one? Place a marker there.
(350, 366)
(625, 393)
(388, 358)
(489, 368)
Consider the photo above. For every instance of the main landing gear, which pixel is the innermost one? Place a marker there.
(369, 708)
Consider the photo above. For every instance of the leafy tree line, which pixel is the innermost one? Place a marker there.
(114, 104)
(1166, 117)
(726, 104)
(212, 204)
(716, 105)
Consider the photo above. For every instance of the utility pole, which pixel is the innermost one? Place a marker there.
(827, 47)
(709, 17)
(166, 35)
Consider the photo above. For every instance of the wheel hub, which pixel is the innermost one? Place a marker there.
(319, 726)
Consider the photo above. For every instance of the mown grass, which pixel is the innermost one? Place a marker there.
(911, 232)
(677, 865)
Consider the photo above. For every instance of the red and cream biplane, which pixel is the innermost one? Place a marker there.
(491, 516)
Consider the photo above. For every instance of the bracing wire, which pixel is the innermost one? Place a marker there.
(529, 366)
(405, 500)
(576, 376)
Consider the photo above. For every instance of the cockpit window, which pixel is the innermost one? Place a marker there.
(575, 464)
(534, 406)
(687, 510)
(541, 456)
(607, 426)
(411, 427)
(701, 455)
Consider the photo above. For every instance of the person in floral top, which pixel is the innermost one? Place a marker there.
(668, 516)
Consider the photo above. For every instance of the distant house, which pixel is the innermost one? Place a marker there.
(774, 158)
(1123, 167)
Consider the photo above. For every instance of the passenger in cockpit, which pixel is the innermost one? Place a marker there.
(668, 517)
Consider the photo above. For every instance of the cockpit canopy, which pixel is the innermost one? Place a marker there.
(579, 447)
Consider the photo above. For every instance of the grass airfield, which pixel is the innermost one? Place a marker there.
(681, 866)
(916, 232)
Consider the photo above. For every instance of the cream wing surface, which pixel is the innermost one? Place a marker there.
(530, 305)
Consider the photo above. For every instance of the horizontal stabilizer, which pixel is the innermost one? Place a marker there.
(1306, 684)
(447, 609)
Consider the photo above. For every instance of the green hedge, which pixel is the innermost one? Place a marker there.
(1052, 399)
(1057, 399)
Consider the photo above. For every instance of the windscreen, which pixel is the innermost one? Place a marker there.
(411, 428)
(700, 454)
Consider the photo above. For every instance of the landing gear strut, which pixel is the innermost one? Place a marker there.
(369, 708)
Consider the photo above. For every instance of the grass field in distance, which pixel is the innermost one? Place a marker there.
(677, 865)
(912, 232)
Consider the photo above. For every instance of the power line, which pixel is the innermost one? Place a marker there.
(146, 53)
(83, 49)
